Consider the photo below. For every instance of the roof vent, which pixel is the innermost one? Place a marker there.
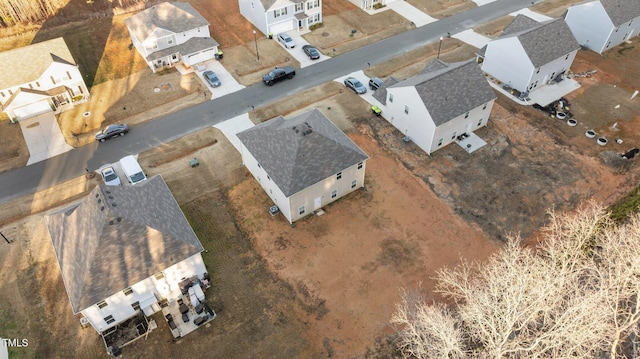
(97, 195)
(102, 208)
(107, 191)
(99, 200)
(111, 223)
(110, 197)
(113, 204)
(119, 219)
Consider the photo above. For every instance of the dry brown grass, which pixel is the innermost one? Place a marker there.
(442, 8)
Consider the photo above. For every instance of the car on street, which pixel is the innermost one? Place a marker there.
(109, 176)
(375, 83)
(211, 78)
(354, 84)
(311, 51)
(286, 40)
(110, 131)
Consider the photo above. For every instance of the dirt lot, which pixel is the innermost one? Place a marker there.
(301, 292)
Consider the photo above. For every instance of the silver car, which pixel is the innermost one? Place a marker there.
(354, 84)
(286, 40)
(109, 176)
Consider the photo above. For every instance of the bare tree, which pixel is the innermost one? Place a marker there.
(575, 295)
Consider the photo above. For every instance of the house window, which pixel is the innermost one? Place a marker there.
(454, 134)
(155, 45)
(537, 71)
(484, 107)
(339, 175)
(102, 304)
(109, 319)
(354, 183)
(252, 5)
(390, 97)
(53, 81)
(360, 165)
(80, 90)
(159, 275)
(299, 7)
(617, 28)
(270, 191)
(315, 18)
(280, 12)
(269, 178)
(171, 41)
(2, 93)
(30, 86)
(406, 109)
(608, 43)
(136, 306)
(10, 92)
(68, 76)
(301, 210)
(466, 115)
(440, 142)
(259, 166)
(567, 57)
(128, 291)
(479, 122)
(334, 193)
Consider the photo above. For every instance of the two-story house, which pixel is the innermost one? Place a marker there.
(122, 250)
(302, 163)
(47, 80)
(603, 24)
(439, 104)
(276, 16)
(528, 54)
(370, 4)
(169, 34)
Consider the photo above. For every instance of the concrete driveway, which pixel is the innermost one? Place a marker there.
(228, 83)
(297, 52)
(43, 137)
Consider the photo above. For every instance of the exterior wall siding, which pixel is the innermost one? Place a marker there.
(478, 118)
(515, 69)
(590, 25)
(255, 14)
(119, 305)
(323, 190)
(417, 124)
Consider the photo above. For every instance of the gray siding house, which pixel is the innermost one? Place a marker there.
(171, 34)
(122, 250)
(276, 16)
(302, 163)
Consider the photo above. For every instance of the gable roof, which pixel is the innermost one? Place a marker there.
(449, 90)
(118, 236)
(281, 3)
(381, 93)
(174, 17)
(621, 11)
(41, 55)
(542, 42)
(301, 151)
(193, 45)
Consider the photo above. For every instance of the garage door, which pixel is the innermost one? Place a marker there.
(199, 57)
(32, 110)
(282, 27)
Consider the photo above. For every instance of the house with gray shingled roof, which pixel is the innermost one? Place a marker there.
(276, 16)
(39, 78)
(303, 163)
(171, 34)
(124, 249)
(604, 24)
(528, 54)
(439, 104)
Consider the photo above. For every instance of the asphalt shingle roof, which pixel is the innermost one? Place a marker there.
(543, 42)
(118, 236)
(301, 151)
(449, 90)
(621, 11)
(192, 45)
(175, 17)
(17, 70)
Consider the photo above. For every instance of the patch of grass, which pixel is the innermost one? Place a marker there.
(626, 206)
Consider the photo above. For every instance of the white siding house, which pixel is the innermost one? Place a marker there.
(169, 34)
(369, 4)
(302, 163)
(276, 16)
(603, 24)
(39, 78)
(529, 54)
(439, 104)
(122, 250)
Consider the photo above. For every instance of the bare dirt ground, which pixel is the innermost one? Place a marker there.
(301, 292)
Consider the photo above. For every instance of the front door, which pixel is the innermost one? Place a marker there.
(317, 203)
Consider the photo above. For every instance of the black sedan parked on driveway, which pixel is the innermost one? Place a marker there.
(112, 131)
(311, 51)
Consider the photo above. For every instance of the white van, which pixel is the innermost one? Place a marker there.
(132, 169)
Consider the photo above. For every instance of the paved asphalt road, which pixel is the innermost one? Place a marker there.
(41, 175)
